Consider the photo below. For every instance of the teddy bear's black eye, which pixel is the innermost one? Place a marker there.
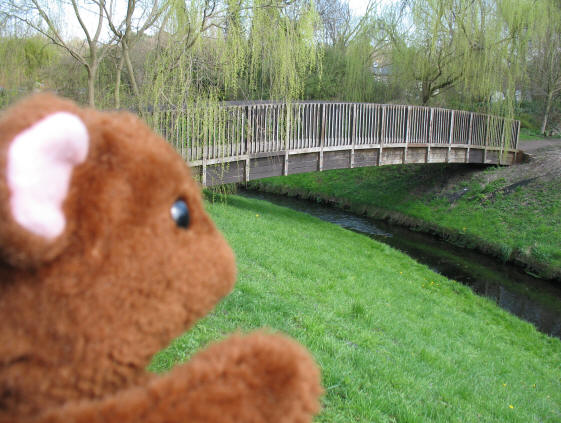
(180, 213)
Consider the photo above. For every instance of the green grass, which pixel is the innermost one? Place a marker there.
(395, 341)
(527, 134)
(525, 221)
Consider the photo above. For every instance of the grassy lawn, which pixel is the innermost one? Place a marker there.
(524, 220)
(395, 341)
(530, 135)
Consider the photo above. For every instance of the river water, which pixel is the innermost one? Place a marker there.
(530, 298)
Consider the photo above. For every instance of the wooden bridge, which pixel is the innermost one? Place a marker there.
(239, 142)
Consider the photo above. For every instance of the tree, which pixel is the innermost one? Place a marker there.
(351, 46)
(131, 29)
(544, 70)
(475, 45)
(25, 64)
(41, 16)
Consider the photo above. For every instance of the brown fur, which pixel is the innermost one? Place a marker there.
(82, 315)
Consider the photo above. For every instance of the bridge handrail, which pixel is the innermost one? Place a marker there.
(224, 130)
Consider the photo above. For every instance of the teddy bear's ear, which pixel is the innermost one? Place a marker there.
(39, 161)
(39, 164)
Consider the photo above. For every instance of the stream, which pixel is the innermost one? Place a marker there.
(532, 299)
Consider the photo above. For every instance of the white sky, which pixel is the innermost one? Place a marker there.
(89, 14)
(358, 7)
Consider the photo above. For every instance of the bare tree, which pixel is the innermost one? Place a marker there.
(43, 18)
(339, 25)
(129, 30)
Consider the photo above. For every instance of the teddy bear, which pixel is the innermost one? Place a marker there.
(106, 255)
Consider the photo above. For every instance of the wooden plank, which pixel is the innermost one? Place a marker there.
(437, 154)
(491, 157)
(225, 173)
(336, 160)
(457, 155)
(416, 155)
(266, 167)
(392, 156)
(302, 163)
(364, 158)
(475, 155)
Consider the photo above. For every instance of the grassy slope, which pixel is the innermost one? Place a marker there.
(526, 221)
(530, 135)
(395, 341)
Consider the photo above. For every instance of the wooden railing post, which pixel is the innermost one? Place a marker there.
(250, 139)
(470, 132)
(429, 141)
(322, 136)
(486, 140)
(287, 140)
(407, 113)
(353, 136)
(502, 141)
(382, 135)
(450, 137)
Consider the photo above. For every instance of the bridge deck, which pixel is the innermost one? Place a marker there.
(229, 144)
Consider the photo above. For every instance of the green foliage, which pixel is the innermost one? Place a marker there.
(282, 51)
(478, 47)
(24, 66)
(472, 55)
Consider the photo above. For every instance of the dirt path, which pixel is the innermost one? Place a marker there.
(530, 146)
(542, 163)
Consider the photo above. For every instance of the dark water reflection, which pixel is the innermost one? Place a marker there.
(532, 299)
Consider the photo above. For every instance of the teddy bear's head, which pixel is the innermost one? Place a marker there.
(106, 252)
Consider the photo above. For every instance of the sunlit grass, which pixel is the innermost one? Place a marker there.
(395, 341)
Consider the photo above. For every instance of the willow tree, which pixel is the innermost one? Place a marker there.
(475, 46)
(139, 17)
(242, 49)
(362, 54)
(353, 47)
(544, 70)
(282, 49)
(23, 65)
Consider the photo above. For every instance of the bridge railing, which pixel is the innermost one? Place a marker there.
(227, 131)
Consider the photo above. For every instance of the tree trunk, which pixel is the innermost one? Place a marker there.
(130, 69)
(92, 71)
(118, 83)
(548, 102)
(425, 92)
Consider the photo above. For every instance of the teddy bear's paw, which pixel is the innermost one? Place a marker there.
(252, 379)
(255, 378)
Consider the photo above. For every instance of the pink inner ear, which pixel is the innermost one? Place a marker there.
(40, 164)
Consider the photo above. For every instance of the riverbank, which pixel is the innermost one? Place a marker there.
(394, 340)
(511, 213)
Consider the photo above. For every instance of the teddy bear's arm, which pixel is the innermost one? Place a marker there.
(254, 378)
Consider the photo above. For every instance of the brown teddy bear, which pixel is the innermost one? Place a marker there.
(106, 254)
